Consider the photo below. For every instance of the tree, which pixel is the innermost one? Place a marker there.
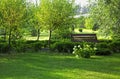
(90, 23)
(56, 14)
(106, 13)
(12, 17)
(34, 12)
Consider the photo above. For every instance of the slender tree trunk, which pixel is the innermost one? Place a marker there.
(49, 41)
(5, 34)
(73, 29)
(9, 38)
(38, 34)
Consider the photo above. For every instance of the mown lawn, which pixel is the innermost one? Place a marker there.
(58, 66)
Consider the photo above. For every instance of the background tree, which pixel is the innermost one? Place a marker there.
(56, 14)
(12, 12)
(106, 13)
(34, 21)
(91, 23)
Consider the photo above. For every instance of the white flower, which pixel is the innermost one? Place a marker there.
(79, 46)
(87, 45)
(75, 46)
(77, 56)
(73, 52)
(95, 48)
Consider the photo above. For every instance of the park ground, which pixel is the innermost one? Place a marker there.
(44, 65)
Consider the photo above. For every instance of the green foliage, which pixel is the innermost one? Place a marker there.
(62, 33)
(84, 50)
(80, 29)
(89, 23)
(80, 22)
(103, 48)
(12, 18)
(4, 48)
(57, 14)
(106, 14)
(105, 41)
(103, 51)
(22, 46)
(115, 46)
(37, 46)
(63, 46)
(28, 46)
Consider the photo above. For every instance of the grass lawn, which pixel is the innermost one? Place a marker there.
(45, 35)
(58, 66)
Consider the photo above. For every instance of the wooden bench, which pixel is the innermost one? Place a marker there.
(84, 37)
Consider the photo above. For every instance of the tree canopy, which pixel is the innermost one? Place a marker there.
(12, 16)
(107, 15)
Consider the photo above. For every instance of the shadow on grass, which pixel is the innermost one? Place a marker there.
(45, 66)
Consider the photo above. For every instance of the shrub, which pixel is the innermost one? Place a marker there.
(36, 46)
(115, 46)
(23, 47)
(30, 41)
(80, 29)
(103, 51)
(44, 43)
(103, 48)
(102, 45)
(4, 48)
(105, 41)
(62, 34)
(84, 51)
(63, 46)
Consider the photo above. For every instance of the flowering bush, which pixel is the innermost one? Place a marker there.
(84, 50)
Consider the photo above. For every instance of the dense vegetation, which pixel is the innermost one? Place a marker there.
(20, 19)
(104, 15)
(18, 16)
(54, 57)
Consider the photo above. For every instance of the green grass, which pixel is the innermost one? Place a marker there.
(58, 66)
(84, 31)
(90, 31)
(45, 35)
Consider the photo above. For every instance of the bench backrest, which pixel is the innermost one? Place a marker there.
(84, 37)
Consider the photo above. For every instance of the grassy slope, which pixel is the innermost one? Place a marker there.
(57, 66)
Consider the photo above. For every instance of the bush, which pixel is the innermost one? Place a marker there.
(36, 46)
(84, 51)
(30, 41)
(104, 41)
(115, 46)
(63, 46)
(4, 48)
(23, 46)
(102, 45)
(103, 49)
(62, 34)
(44, 43)
(80, 29)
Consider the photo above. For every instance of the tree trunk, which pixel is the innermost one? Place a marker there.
(9, 39)
(49, 41)
(73, 28)
(38, 34)
(5, 34)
